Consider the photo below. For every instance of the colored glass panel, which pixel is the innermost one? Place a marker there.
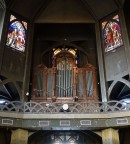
(72, 52)
(112, 37)
(16, 37)
(58, 50)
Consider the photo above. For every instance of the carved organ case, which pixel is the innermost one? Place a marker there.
(64, 82)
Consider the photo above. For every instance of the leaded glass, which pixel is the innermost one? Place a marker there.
(112, 37)
(16, 37)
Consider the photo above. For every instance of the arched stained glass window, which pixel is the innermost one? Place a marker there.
(16, 37)
(112, 37)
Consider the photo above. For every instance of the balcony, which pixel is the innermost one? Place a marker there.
(56, 115)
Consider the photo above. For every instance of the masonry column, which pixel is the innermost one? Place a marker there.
(19, 136)
(101, 64)
(110, 136)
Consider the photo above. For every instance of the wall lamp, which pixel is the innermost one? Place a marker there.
(65, 108)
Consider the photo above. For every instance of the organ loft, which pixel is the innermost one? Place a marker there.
(65, 81)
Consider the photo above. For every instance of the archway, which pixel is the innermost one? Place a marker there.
(64, 137)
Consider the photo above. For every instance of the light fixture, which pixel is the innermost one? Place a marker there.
(47, 104)
(125, 104)
(27, 93)
(126, 101)
(2, 101)
(65, 107)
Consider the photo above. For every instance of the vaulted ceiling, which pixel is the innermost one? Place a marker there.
(64, 11)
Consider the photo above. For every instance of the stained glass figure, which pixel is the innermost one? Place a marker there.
(112, 37)
(16, 37)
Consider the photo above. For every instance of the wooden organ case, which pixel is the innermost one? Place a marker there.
(64, 82)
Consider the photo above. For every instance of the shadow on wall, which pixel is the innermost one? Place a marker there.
(124, 135)
(5, 136)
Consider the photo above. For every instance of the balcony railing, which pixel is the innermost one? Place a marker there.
(70, 108)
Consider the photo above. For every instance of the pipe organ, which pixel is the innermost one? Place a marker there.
(64, 82)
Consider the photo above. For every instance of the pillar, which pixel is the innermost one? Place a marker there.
(19, 136)
(27, 69)
(110, 136)
(101, 64)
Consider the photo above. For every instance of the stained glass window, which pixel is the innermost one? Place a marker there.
(57, 51)
(112, 37)
(70, 50)
(16, 37)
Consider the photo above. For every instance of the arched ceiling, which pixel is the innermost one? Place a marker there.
(64, 11)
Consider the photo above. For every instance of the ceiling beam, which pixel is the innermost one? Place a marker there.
(2, 4)
(88, 7)
(10, 4)
(118, 4)
(42, 5)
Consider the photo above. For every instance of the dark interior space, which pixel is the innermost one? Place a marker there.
(79, 36)
(66, 137)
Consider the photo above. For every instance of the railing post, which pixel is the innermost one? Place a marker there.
(105, 107)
